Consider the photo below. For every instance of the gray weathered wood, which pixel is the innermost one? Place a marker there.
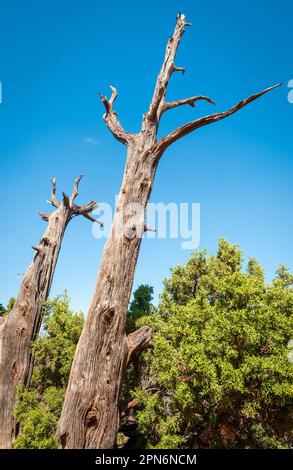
(90, 415)
(20, 327)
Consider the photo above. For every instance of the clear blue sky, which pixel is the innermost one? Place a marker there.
(56, 56)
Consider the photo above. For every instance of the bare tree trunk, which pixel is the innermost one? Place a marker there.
(90, 415)
(21, 326)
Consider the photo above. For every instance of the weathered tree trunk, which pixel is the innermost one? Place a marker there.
(98, 372)
(90, 415)
(21, 326)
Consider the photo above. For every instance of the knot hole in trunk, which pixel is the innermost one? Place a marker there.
(108, 314)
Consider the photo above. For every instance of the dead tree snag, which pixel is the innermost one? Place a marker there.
(90, 415)
(20, 327)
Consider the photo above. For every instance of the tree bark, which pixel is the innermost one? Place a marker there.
(90, 415)
(20, 327)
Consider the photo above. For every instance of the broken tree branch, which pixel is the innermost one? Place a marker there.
(179, 69)
(54, 201)
(147, 228)
(181, 131)
(44, 216)
(66, 200)
(111, 118)
(75, 189)
(141, 339)
(89, 207)
(92, 219)
(168, 68)
(190, 101)
(125, 409)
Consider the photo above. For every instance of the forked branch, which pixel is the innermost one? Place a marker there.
(181, 131)
(89, 207)
(189, 101)
(85, 211)
(159, 104)
(68, 202)
(111, 118)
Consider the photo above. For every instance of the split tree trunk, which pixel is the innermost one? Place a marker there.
(20, 327)
(90, 415)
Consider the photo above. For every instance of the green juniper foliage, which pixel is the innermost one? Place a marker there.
(10, 304)
(140, 305)
(219, 374)
(38, 409)
(9, 307)
(2, 310)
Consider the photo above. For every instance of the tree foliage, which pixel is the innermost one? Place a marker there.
(9, 307)
(219, 374)
(39, 408)
(10, 304)
(2, 310)
(140, 305)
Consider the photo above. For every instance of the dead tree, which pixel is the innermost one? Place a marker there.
(90, 415)
(20, 327)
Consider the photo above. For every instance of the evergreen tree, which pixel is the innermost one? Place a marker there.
(9, 307)
(140, 305)
(2, 310)
(10, 304)
(219, 374)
